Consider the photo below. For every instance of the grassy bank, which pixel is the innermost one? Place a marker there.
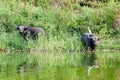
(62, 42)
(64, 24)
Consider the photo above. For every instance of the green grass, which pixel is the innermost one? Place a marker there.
(62, 42)
(57, 19)
(64, 25)
(57, 56)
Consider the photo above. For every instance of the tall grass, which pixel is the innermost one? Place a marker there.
(64, 26)
(55, 19)
(62, 42)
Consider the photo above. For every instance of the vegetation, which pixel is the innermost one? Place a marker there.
(63, 20)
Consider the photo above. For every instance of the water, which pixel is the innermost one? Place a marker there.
(59, 66)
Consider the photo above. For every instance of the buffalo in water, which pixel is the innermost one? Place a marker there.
(89, 40)
(27, 32)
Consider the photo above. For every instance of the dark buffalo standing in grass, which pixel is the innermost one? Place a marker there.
(89, 40)
(27, 32)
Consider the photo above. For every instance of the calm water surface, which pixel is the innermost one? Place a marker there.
(60, 66)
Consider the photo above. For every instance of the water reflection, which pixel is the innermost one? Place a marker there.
(89, 59)
(58, 66)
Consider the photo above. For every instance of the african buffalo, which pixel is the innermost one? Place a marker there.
(27, 32)
(89, 40)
